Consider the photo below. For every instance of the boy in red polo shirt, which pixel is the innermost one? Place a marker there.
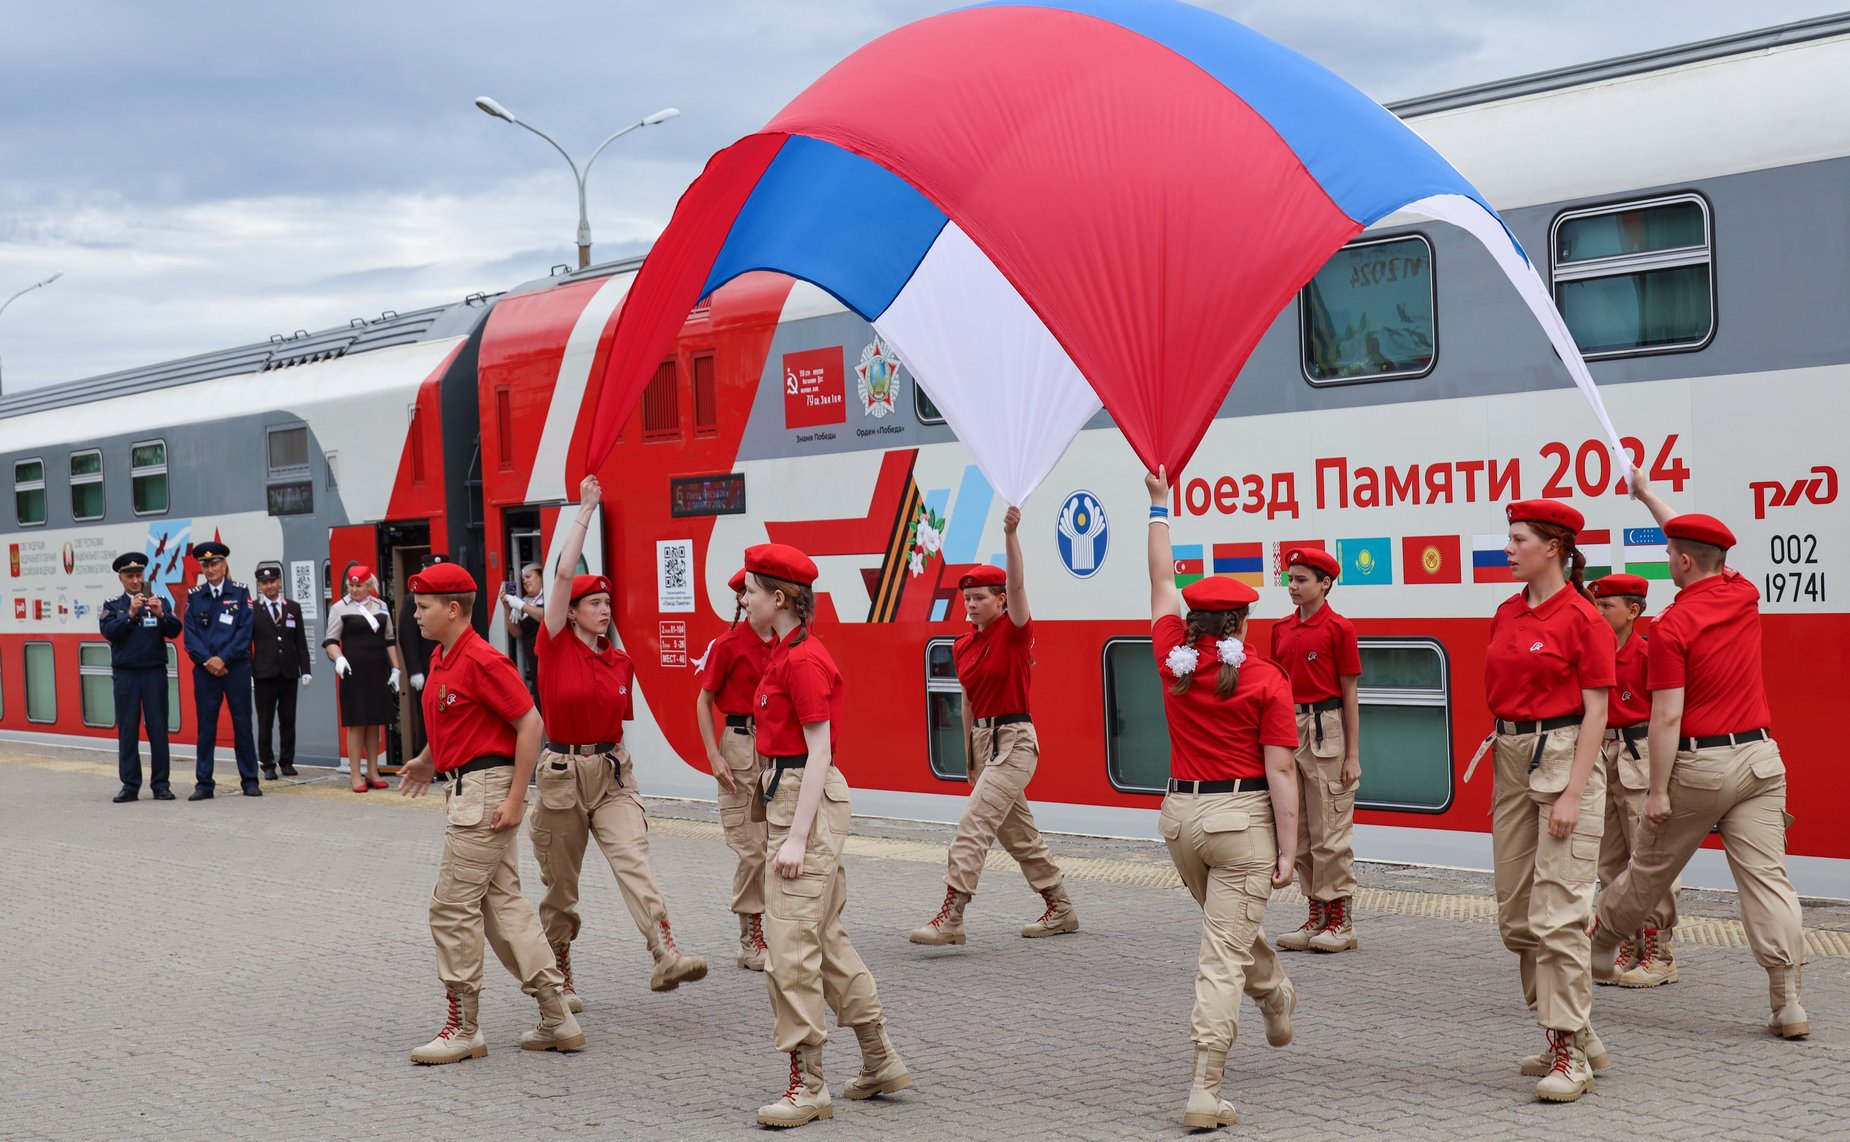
(485, 734)
(1713, 762)
(1318, 649)
(1644, 959)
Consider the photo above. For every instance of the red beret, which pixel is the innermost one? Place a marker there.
(983, 575)
(1620, 585)
(1701, 529)
(1218, 593)
(1552, 512)
(1315, 559)
(781, 561)
(737, 582)
(442, 579)
(583, 585)
(359, 573)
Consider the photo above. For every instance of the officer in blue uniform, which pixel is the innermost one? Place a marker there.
(138, 624)
(218, 640)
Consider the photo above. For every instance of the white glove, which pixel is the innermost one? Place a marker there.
(306, 679)
(514, 602)
(417, 681)
(392, 681)
(341, 666)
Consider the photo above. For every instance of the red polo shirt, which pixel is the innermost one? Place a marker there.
(1707, 643)
(472, 697)
(734, 664)
(1629, 702)
(1541, 658)
(994, 665)
(1213, 738)
(800, 687)
(585, 694)
(1316, 652)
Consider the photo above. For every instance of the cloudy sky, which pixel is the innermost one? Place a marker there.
(207, 173)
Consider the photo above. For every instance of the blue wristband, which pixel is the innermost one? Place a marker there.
(1157, 511)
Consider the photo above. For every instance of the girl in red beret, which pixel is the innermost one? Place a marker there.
(1230, 819)
(1319, 651)
(798, 708)
(363, 647)
(1546, 673)
(994, 662)
(587, 785)
(728, 674)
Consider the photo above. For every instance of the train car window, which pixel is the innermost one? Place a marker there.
(1636, 277)
(87, 485)
(147, 469)
(921, 404)
(1368, 314)
(944, 713)
(504, 427)
(29, 492)
(1136, 731)
(415, 445)
(96, 684)
(173, 689)
(661, 404)
(41, 683)
(1406, 714)
(706, 396)
(287, 450)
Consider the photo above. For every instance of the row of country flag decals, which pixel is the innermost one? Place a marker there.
(1424, 559)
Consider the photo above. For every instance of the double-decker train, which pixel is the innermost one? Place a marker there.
(1685, 206)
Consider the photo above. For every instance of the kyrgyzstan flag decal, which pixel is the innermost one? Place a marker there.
(1431, 559)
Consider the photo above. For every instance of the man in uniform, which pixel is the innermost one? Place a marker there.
(414, 649)
(1713, 763)
(138, 625)
(218, 640)
(279, 656)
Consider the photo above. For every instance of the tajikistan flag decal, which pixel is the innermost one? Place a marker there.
(1597, 547)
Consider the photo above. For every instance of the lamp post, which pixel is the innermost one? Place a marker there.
(490, 107)
(29, 289)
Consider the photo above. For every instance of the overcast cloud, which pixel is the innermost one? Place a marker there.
(207, 174)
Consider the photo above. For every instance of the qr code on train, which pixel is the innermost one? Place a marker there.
(674, 567)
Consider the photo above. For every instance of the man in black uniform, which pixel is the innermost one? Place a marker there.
(138, 625)
(415, 650)
(279, 656)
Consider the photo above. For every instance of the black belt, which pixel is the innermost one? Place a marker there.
(779, 764)
(1546, 725)
(1315, 708)
(1000, 720)
(1716, 741)
(491, 761)
(1631, 736)
(589, 749)
(739, 723)
(1239, 785)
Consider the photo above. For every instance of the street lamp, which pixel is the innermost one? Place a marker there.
(490, 107)
(29, 289)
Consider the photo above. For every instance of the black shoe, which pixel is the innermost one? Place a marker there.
(288, 770)
(200, 794)
(253, 790)
(127, 795)
(163, 794)
(269, 773)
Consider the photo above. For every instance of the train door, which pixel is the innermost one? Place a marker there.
(524, 549)
(404, 546)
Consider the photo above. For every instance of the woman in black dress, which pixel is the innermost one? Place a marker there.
(364, 649)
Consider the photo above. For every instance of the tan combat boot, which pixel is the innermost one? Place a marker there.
(1655, 966)
(947, 927)
(806, 1098)
(1337, 933)
(752, 948)
(562, 953)
(882, 1070)
(1622, 961)
(1059, 918)
(1207, 1110)
(557, 1029)
(1277, 1005)
(1789, 1020)
(1569, 1074)
(460, 1038)
(1299, 940)
(1535, 1066)
(672, 968)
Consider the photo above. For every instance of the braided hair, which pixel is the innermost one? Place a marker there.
(802, 601)
(1216, 625)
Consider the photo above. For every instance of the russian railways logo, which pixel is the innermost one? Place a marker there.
(1084, 534)
(877, 378)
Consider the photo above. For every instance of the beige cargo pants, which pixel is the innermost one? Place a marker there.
(1223, 846)
(1326, 810)
(1545, 884)
(478, 893)
(1743, 790)
(1628, 781)
(744, 836)
(811, 962)
(581, 798)
(998, 810)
